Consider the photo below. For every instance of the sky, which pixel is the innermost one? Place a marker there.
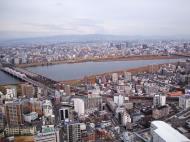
(32, 18)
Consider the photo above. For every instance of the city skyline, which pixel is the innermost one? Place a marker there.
(21, 19)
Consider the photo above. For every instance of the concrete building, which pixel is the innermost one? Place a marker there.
(11, 92)
(93, 103)
(35, 106)
(73, 132)
(115, 77)
(151, 88)
(79, 105)
(163, 132)
(67, 89)
(28, 90)
(184, 101)
(2, 121)
(119, 100)
(65, 113)
(14, 112)
(125, 118)
(112, 106)
(20, 130)
(30, 117)
(47, 108)
(16, 61)
(87, 104)
(127, 76)
(159, 100)
(160, 112)
(48, 134)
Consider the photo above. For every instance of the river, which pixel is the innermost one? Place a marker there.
(73, 71)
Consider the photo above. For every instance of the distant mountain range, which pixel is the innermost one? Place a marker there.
(84, 38)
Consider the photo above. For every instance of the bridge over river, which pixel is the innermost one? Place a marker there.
(32, 78)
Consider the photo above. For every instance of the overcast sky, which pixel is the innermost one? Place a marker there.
(25, 18)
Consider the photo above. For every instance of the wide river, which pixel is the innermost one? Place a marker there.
(62, 72)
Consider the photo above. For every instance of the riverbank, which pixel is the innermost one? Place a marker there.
(118, 58)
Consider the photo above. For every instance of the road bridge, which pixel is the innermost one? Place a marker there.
(27, 77)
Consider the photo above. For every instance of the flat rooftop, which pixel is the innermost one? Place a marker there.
(168, 133)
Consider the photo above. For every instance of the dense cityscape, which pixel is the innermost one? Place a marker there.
(39, 54)
(94, 71)
(136, 105)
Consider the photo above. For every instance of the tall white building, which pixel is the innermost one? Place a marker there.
(159, 100)
(184, 101)
(119, 100)
(163, 132)
(115, 77)
(79, 105)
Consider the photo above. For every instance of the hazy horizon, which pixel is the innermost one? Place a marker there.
(42, 18)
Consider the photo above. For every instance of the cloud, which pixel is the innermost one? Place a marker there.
(126, 17)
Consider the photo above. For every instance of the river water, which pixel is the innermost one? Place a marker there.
(62, 72)
(7, 79)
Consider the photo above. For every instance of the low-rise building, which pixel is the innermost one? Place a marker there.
(19, 130)
(30, 117)
(160, 112)
(48, 134)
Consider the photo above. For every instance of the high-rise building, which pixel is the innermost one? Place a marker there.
(47, 108)
(28, 90)
(119, 100)
(159, 100)
(127, 76)
(65, 113)
(184, 101)
(73, 132)
(14, 112)
(92, 103)
(67, 89)
(2, 122)
(36, 106)
(124, 118)
(87, 104)
(115, 77)
(79, 105)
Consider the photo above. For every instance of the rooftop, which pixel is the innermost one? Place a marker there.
(168, 133)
